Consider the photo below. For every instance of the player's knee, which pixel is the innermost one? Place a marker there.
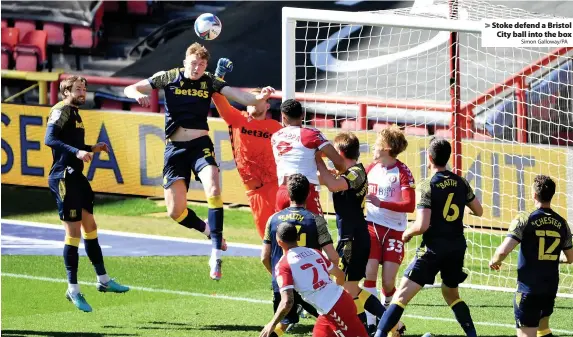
(175, 213)
(388, 284)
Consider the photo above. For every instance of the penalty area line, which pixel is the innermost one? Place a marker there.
(246, 299)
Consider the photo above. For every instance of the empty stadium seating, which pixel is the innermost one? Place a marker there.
(10, 37)
(55, 32)
(322, 122)
(30, 52)
(25, 26)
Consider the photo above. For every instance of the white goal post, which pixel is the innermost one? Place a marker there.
(508, 111)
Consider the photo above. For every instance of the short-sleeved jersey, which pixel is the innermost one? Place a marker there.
(294, 149)
(349, 204)
(187, 101)
(543, 234)
(312, 232)
(387, 183)
(250, 141)
(307, 271)
(67, 120)
(446, 194)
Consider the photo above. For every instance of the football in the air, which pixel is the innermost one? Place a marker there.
(208, 26)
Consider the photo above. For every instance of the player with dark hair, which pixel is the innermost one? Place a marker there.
(545, 239)
(443, 199)
(294, 149)
(250, 134)
(189, 148)
(391, 195)
(65, 134)
(308, 271)
(312, 232)
(349, 196)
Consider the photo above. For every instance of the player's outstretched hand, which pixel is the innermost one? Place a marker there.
(100, 147)
(371, 198)
(266, 92)
(494, 265)
(84, 156)
(143, 100)
(267, 330)
(224, 66)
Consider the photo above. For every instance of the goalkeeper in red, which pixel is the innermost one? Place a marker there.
(251, 133)
(189, 148)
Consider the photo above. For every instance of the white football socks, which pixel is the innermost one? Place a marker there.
(74, 288)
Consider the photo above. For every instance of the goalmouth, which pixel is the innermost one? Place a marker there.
(507, 111)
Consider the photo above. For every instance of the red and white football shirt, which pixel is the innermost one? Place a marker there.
(306, 270)
(294, 148)
(387, 184)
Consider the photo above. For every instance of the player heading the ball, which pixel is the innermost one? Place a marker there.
(189, 148)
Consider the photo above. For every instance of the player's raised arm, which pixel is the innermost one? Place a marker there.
(331, 153)
(139, 91)
(246, 98)
(332, 182)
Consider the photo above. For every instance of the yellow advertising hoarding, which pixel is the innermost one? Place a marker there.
(501, 173)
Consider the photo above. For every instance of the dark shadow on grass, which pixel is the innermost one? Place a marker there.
(443, 304)
(161, 325)
(23, 333)
(20, 200)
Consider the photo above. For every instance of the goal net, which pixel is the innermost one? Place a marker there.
(366, 71)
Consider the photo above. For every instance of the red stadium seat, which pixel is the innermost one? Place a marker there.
(87, 37)
(443, 133)
(111, 6)
(377, 126)
(109, 104)
(55, 33)
(322, 122)
(25, 26)
(83, 37)
(416, 130)
(31, 51)
(350, 125)
(137, 7)
(10, 38)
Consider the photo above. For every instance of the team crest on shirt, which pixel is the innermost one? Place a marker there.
(352, 175)
(181, 83)
(392, 179)
(204, 85)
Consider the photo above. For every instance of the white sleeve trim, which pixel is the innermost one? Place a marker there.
(323, 145)
(286, 288)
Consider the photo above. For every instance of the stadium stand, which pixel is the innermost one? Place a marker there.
(10, 36)
(30, 52)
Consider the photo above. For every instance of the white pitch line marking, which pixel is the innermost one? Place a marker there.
(246, 299)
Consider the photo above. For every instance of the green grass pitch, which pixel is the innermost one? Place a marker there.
(173, 296)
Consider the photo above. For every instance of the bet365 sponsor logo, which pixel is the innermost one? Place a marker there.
(191, 92)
